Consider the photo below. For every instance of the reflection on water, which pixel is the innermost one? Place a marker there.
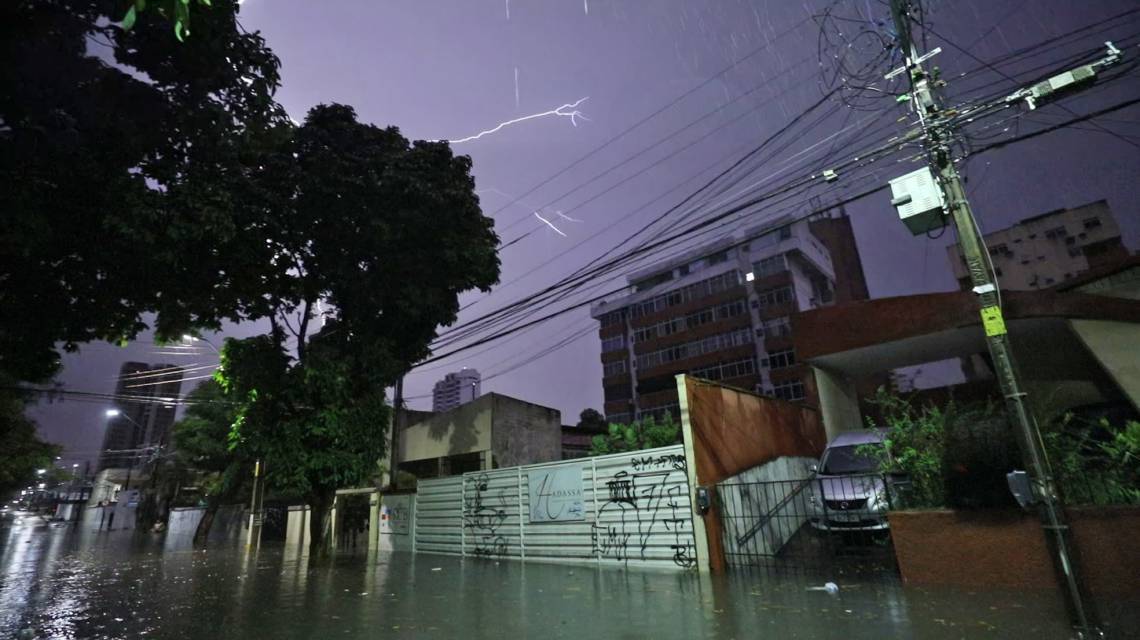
(64, 582)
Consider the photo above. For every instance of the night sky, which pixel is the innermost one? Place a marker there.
(446, 70)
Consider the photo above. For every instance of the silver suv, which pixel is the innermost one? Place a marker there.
(848, 492)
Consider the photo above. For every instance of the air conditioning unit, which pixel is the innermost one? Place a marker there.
(918, 200)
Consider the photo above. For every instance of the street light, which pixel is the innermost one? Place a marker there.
(40, 472)
(114, 413)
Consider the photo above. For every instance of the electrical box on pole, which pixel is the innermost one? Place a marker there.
(918, 199)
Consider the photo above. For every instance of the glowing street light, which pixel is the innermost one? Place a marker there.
(111, 413)
(40, 472)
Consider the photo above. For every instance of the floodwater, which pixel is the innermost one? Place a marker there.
(59, 581)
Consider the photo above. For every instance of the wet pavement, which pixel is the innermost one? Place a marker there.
(67, 582)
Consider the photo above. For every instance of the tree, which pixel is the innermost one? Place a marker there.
(202, 443)
(23, 452)
(382, 234)
(646, 433)
(591, 420)
(122, 175)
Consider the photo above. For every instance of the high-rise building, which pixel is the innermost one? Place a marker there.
(459, 387)
(145, 405)
(1046, 250)
(722, 311)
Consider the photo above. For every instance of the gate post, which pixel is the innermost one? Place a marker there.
(709, 550)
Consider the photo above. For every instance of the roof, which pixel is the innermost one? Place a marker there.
(1099, 273)
(851, 438)
(870, 336)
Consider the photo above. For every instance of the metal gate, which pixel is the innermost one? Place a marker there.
(834, 524)
(273, 523)
(352, 514)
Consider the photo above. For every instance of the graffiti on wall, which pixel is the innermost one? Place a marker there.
(649, 501)
(483, 515)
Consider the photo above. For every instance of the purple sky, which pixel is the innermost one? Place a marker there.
(446, 69)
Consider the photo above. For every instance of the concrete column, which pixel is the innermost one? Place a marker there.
(488, 462)
(838, 402)
(1114, 345)
(700, 533)
(373, 520)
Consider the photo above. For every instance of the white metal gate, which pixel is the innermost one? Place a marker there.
(616, 509)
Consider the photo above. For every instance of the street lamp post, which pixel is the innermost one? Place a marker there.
(115, 413)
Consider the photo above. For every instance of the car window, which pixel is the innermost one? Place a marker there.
(840, 461)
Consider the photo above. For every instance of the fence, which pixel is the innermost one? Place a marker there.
(616, 509)
(808, 522)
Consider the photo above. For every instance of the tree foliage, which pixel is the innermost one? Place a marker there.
(21, 451)
(381, 234)
(591, 419)
(123, 173)
(646, 433)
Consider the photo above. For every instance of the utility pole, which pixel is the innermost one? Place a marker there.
(397, 424)
(256, 507)
(937, 129)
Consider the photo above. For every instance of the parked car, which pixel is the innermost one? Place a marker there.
(848, 492)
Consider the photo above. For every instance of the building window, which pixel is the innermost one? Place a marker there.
(999, 250)
(1092, 223)
(726, 370)
(717, 258)
(618, 392)
(682, 270)
(778, 327)
(649, 283)
(695, 348)
(997, 271)
(791, 390)
(1074, 252)
(689, 293)
(780, 359)
(777, 295)
(613, 344)
(1056, 232)
(613, 368)
(769, 266)
(613, 317)
(785, 232)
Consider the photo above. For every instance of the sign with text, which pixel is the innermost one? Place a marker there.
(556, 494)
(395, 515)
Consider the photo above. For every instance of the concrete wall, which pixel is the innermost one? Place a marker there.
(466, 429)
(524, 433)
(1116, 346)
(1007, 549)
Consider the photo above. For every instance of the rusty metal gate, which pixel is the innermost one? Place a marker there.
(812, 525)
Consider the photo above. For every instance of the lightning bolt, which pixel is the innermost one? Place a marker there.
(516, 87)
(508, 9)
(548, 223)
(586, 6)
(566, 217)
(566, 111)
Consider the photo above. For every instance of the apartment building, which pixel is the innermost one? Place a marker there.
(1047, 249)
(721, 311)
(455, 389)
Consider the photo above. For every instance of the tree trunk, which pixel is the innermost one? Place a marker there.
(320, 521)
(231, 483)
(202, 533)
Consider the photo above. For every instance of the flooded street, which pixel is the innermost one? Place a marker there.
(66, 582)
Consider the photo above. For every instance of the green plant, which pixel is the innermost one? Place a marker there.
(646, 433)
(1094, 462)
(913, 446)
